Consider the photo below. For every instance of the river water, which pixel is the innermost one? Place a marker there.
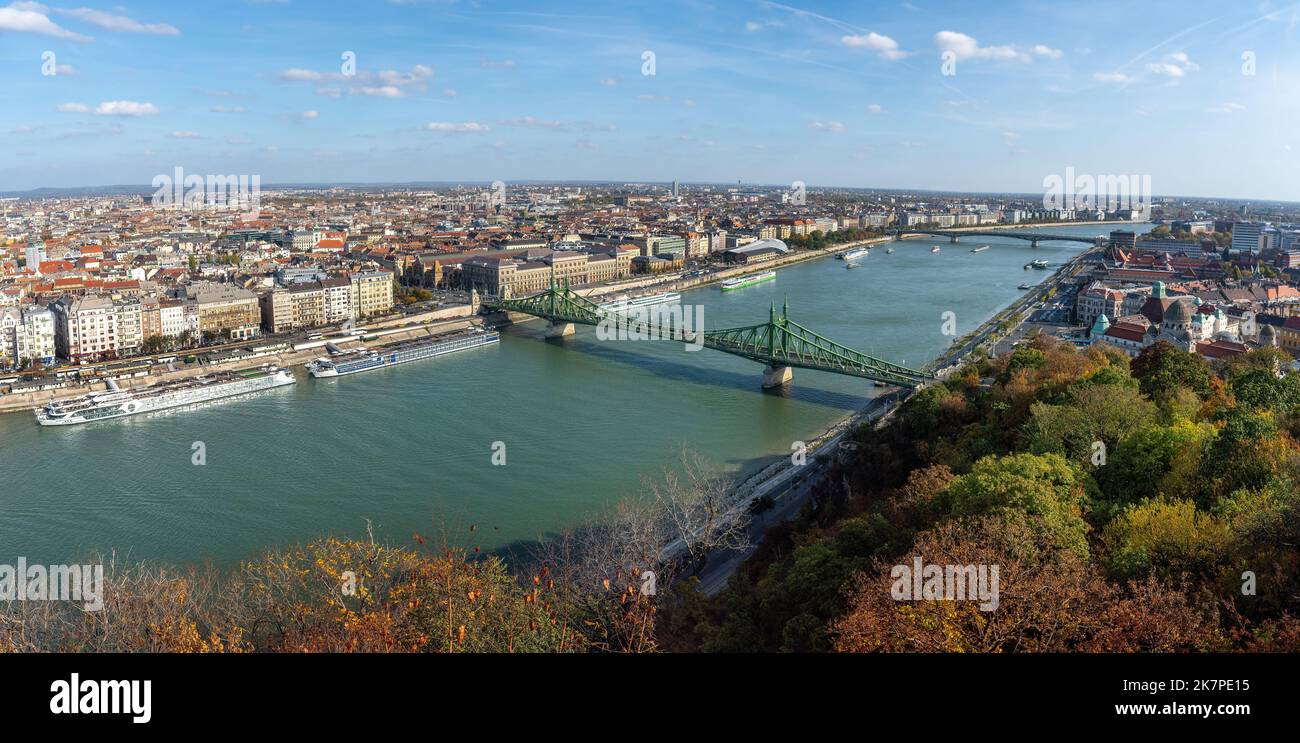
(410, 448)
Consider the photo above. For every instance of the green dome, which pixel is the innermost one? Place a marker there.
(1100, 325)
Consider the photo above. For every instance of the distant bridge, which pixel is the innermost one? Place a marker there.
(1032, 237)
(779, 343)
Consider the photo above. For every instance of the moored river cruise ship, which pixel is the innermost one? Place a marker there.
(118, 403)
(425, 348)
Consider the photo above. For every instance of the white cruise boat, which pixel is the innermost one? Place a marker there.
(400, 353)
(625, 304)
(856, 253)
(113, 403)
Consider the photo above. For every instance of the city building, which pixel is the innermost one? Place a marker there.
(26, 336)
(224, 310)
(1246, 237)
(95, 328)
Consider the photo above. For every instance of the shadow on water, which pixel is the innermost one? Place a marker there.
(706, 375)
(520, 554)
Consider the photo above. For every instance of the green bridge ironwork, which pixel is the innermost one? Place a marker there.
(780, 343)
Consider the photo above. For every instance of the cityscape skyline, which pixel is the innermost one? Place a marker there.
(762, 93)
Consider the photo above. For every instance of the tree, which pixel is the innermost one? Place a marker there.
(1046, 488)
(1151, 462)
(1047, 601)
(1093, 413)
(1263, 389)
(1166, 540)
(1161, 369)
(154, 344)
(611, 569)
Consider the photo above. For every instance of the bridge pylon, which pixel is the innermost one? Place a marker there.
(557, 329)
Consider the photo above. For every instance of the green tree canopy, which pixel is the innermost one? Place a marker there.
(1045, 487)
(1161, 369)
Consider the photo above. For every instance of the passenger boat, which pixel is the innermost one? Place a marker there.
(741, 282)
(401, 353)
(118, 403)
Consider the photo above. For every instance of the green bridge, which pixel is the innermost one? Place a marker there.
(780, 343)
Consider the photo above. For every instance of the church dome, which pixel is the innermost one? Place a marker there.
(1267, 332)
(1177, 314)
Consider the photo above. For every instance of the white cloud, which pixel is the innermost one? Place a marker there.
(531, 122)
(73, 108)
(1175, 65)
(297, 74)
(228, 109)
(1166, 69)
(121, 23)
(966, 47)
(184, 135)
(875, 108)
(826, 126)
(31, 18)
(455, 127)
(308, 115)
(1042, 50)
(381, 84)
(1112, 78)
(1226, 108)
(383, 91)
(500, 64)
(609, 82)
(883, 46)
(449, 92)
(125, 108)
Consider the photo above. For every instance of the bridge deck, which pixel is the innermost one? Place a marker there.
(778, 342)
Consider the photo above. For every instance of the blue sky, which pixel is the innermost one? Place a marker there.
(830, 93)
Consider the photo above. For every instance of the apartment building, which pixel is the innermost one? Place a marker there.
(224, 309)
(26, 335)
(302, 305)
(337, 296)
(371, 293)
(96, 328)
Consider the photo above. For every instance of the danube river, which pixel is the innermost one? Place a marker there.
(410, 449)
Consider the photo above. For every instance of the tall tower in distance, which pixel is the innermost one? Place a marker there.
(35, 253)
(676, 189)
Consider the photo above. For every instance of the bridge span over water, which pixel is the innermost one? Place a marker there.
(780, 343)
(1032, 237)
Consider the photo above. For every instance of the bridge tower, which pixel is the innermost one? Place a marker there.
(557, 328)
(777, 375)
(955, 239)
(1033, 243)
